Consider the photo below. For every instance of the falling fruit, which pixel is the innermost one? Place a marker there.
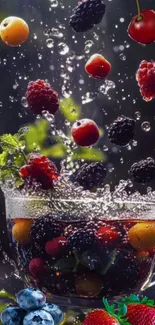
(98, 67)
(142, 27)
(85, 132)
(14, 31)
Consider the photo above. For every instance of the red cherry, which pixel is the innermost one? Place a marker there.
(55, 246)
(97, 66)
(37, 267)
(143, 30)
(85, 132)
(107, 234)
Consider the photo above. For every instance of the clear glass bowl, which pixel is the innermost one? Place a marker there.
(78, 257)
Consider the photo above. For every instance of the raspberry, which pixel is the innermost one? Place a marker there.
(92, 175)
(143, 171)
(82, 240)
(41, 169)
(145, 76)
(45, 229)
(41, 97)
(56, 246)
(37, 267)
(121, 131)
(87, 14)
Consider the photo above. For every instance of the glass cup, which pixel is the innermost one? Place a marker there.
(77, 258)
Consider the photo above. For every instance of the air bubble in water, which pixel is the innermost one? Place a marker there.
(63, 48)
(122, 57)
(54, 3)
(88, 97)
(137, 115)
(105, 148)
(66, 92)
(108, 84)
(146, 126)
(49, 43)
(56, 33)
(88, 45)
(95, 36)
(24, 102)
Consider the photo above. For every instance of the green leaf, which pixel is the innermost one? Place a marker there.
(36, 136)
(122, 311)
(3, 158)
(56, 151)
(6, 294)
(70, 109)
(10, 143)
(8, 173)
(2, 307)
(18, 159)
(89, 259)
(110, 261)
(65, 264)
(91, 154)
(19, 182)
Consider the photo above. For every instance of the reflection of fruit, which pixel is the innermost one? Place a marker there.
(142, 256)
(145, 77)
(37, 267)
(121, 131)
(41, 97)
(143, 171)
(142, 30)
(45, 229)
(85, 132)
(87, 14)
(88, 284)
(107, 235)
(56, 246)
(98, 67)
(14, 31)
(91, 175)
(55, 312)
(40, 317)
(30, 299)
(12, 316)
(41, 169)
(21, 231)
(142, 235)
(100, 317)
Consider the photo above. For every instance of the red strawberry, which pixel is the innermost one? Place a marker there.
(107, 234)
(108, 317)
(41, 169)
(41, 97)
(98, 67)
(56, 246)
(85, 132)
(139, 312)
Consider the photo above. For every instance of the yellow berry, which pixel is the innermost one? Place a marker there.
(88, 285)
(14, 31)
(142, 235)
(21, 231)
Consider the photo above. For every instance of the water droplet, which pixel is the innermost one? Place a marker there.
(108, 84)
(54, 3)
(49, 43)
(88, 45)
(88, 97)
(105, 148)
(122, 20)
(137, 115)
(24, 102)
(56, 33)
(40, 56)
(35, 36)
(121, 160)
(66, 92)
(63, 48)
(146, 126)
(122, 57)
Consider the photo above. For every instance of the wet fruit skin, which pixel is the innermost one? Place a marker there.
(142, 235)
(21, 231)
(98, 67)
(37, 267)
(56, 246)
(143, 31)
(85, 132)
(107, 235)
(88, 285)
(100, 317)
(14, 31)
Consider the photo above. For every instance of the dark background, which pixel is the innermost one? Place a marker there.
(35, 59)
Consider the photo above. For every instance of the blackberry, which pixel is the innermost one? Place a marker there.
(91, 175)
(87, 14)
(143, 171)
(121, 131)
(45, 228)
(82, 240)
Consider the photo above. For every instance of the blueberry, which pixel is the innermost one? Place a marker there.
(30, 299)
(12, 316)
(55, 312)
(38, 317)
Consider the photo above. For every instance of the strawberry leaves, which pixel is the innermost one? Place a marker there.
(133, 299)
(120, 314)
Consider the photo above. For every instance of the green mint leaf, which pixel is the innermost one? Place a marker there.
(3, 158)
(110, 260)
(18, 159)
(37, 135)
(10, 143)
(8, 173)
(70, 109)
(6, 294)
(19, 182)
(65, 264)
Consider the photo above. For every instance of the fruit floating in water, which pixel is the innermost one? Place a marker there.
(88, 285)
(142, 27)
(14, 31)
(21, 231)
(98, 67)
(145, 77)
(85, 132)
(142, 236)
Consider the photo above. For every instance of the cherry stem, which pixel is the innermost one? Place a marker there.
(138, 9)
